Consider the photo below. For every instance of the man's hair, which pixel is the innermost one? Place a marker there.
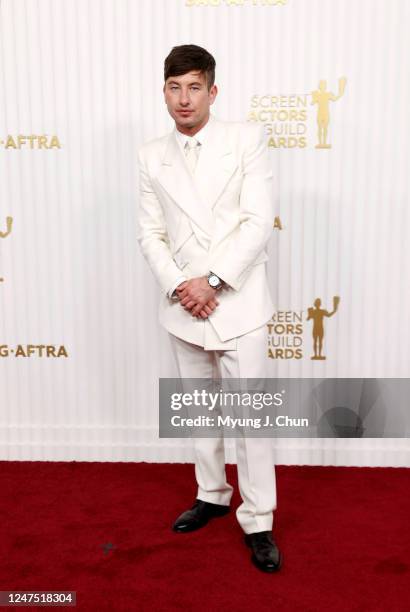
(184, 58)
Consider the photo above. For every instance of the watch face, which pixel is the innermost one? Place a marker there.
(213, 280)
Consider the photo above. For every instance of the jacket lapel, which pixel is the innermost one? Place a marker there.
(197, 194)
(176, 179)
(216, 163)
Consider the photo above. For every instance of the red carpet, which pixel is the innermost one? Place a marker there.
(103, 530)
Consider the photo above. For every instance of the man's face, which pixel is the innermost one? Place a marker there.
(188, 100)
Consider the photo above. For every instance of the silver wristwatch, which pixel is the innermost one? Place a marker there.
(214, 281)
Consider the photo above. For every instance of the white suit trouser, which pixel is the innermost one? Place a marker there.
(256, 472)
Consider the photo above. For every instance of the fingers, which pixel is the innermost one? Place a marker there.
(185, 297)
(185, 300)
(182, 286)
(197, 309)
(182, 294)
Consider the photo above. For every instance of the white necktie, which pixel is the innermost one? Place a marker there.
(191, 150)
(191, 153)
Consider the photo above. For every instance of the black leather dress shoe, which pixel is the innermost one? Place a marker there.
(198, 516)
(266, 555)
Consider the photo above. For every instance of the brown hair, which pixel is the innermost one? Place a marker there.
(184, 58)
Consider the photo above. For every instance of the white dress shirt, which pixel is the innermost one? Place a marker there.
(199, 136)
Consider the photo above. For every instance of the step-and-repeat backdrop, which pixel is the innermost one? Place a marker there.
(81, 350)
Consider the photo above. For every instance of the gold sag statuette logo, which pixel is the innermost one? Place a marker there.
(34, 141)
(317, 314)
(285, 117)
(9, 225)
(236, 2)
(321, 97)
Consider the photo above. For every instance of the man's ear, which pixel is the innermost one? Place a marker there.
(213, 93)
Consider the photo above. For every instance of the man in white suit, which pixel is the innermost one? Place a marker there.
(205, 218)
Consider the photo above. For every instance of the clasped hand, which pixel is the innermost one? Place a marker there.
(197, 296)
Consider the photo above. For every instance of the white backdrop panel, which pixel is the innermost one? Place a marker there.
(89, 74)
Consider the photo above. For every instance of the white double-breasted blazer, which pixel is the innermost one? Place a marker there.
(218, 219)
